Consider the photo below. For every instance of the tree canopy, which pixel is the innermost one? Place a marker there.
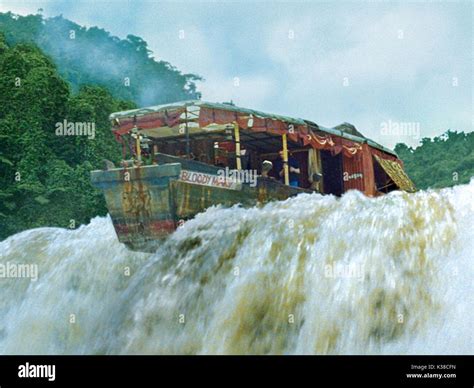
(44, 178)
(443, 161)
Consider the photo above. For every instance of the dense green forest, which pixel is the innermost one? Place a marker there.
(443, 161)
(91, 56)
(44, 178)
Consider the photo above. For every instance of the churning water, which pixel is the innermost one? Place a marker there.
(313, 274)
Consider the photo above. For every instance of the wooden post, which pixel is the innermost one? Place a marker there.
(155, 151)
(139, 149)
(368, 171)
(237, 146)
(285, 159)
(187, 132)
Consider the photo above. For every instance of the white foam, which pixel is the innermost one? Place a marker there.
(313, 274)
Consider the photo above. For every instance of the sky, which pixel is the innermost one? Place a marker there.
(398, 71)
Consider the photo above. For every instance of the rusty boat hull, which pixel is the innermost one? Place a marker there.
(147, 203)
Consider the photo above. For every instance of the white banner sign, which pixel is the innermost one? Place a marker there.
(204, 179)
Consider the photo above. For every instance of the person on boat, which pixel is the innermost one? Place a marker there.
(293, 169)
(316, 180)
(266, 168)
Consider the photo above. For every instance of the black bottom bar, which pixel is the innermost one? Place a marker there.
(294, 371)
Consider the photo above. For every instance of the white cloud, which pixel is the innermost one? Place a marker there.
(191, 54)
(391, 60)
(250, 91)
(18, 8)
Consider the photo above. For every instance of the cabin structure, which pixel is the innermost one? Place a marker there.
(229, 136)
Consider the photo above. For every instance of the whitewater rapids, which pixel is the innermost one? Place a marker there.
(311, 275)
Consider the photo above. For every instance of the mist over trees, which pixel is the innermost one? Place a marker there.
(91, 56)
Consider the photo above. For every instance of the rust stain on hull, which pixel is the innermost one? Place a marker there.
(150, 204)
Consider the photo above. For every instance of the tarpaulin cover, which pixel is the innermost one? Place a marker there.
(167, 121)
(167, 118)
(395, 171)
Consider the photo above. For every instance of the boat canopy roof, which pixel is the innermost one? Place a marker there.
(172, 121)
